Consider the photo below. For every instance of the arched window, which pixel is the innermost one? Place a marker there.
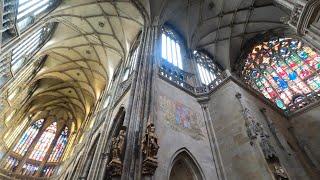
(207, 69)
(171, 48)
(24, 13)
(47, 171)
(29, 169)
(27, 138)
(44, 143)
(59, 146)
(11, 136)
(13, 61)
(11, 163)
(134, 58)
(285, 71)
(28, 10)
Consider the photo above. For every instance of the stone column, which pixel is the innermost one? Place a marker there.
(100, 161)
(213, 142)
(139, 106)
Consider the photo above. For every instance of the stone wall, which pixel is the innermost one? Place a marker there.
(180, 125)
(240, 159)
(306, 127)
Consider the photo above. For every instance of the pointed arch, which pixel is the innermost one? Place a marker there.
(183, 165)
(27, 138)
(43, 144)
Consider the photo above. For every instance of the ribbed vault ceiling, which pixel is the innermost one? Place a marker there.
(90, 40)
(221, 27)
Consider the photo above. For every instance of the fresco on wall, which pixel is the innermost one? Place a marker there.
(180, 117)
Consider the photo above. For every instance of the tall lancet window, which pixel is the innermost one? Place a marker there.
(208, 71)
(285, 71)
(27, 138)
(59, 146)
(44, 143)
(171, 48)
(28, 10)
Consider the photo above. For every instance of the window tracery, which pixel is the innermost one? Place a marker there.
(59, 146)
(11, 163)
(20, 14)
(48, 171)
(285, 71)
(44, 143)
(29, 169)
(171, 48)
(27, 138)
(50, 148)
(208, 71)
(14, 60)
(11, 136)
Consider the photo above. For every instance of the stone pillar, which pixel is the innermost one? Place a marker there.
(213, 142)
(102, 158)
(139, 106)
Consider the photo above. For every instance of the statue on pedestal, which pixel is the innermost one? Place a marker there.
(118, 146)
(150, 149)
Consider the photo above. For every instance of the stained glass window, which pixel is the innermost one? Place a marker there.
(11, 163)
(27, 138)
(47, 171)
(44, 143)
(171, 50)
(11, 136)
(29, 169)
(59, 146)
(285, 71)
(207, 69)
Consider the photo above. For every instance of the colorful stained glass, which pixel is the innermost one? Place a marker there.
(44, 143)
(27, 138)
(29, 169)
(11, 163)
(284, 70)
(47, 171)
(11, 136)
(59, 146)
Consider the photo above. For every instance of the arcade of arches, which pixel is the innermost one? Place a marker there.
(160, 89)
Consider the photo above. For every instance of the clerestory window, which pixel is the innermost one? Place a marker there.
(171, 48)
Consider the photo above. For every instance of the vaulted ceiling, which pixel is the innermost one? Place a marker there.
(221, 27)
(90, 40)
(93, 37)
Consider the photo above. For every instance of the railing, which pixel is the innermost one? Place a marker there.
(179, 78)
(185, 80)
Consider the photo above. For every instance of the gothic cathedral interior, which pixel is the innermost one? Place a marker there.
(160, 89)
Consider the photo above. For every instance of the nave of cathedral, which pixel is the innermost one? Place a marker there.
(160, 89)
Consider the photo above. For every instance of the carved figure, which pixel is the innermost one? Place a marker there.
(279, 172)
(150, 145)
(150, 149)
(118, 146)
